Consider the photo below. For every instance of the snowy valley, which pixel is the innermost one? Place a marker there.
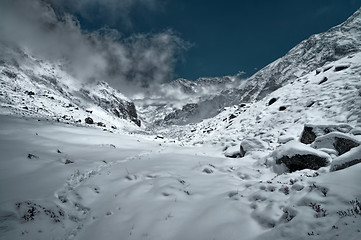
(273, 156)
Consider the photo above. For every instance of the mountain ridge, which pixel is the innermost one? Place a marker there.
(307, 56)
(30, 86)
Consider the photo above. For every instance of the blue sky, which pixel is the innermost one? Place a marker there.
(227, 36)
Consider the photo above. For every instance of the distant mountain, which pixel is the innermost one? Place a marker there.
(33, 87)
(309, 55)
(204, 86)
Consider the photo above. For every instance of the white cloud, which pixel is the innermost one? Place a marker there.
(142, 60)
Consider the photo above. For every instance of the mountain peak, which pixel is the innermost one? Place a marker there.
(352, 22)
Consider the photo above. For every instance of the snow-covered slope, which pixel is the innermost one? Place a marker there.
(64, 182)
(33, 87)
(309, 55)
(332, 96)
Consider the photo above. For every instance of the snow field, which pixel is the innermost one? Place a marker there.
(136, 187)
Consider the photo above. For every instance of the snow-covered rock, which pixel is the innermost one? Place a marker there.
(346, 160)
(233, 152)
(252, 144)
(311, 131)
(297, 156)
(340, 142)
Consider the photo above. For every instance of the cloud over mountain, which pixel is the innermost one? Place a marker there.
(128, 63)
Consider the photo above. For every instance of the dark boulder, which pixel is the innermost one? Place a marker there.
(343, 145)
(232, 116)
(299, 162)
(100, 124)
(340, 68)
(242, 152)
(310, 104)
(89, 120)
(297, 156)
(308, 136)
(327, 68)
(323, 80)
(272, 101)
(30, 93)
